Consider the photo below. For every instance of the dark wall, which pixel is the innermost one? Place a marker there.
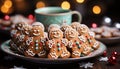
(110, 8)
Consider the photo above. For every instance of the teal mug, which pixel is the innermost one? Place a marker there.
(55, 15)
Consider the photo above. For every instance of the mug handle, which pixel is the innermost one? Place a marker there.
(79, 15)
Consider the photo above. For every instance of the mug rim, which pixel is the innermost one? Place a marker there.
(68, 11)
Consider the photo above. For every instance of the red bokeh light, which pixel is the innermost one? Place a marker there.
(30, 16)
(94, 25)
(7, 17)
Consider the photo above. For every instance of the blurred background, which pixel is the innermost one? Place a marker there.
(93, 11)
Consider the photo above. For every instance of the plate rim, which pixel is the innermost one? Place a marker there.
(111, 38)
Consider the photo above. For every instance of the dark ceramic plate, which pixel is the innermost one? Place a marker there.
(6, 48)
(111, 40)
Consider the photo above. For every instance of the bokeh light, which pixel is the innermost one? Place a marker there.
(31, 17)
(4, 9)
(7, 7)
(117, 25)
(107, 20)
(96, 9)
(80, 1)
(94, 25)
(8, 3)
(7, 17)
(65, 5)
(40, 4)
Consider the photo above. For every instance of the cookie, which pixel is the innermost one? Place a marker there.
(75, 25)
(105, 28)
(19, 26)
(55, 33)
(57, 49)
(36, 43)
(97, 30)
(64, 27)
(86, 50)
(82, 29)
(91, 40)
(17, 30)
(26, 30)
(57, 44)
(53, 26)
(116, 34)
(23, 37)
(98, 36)
(106, 34)
(6, 23)
(16, 33)
(92, 34)
(114, 29)
(42, 26)
(86, 46)
(39, 24)
(96, 45)
(75, 45)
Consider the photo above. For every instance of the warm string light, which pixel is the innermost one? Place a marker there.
(40, 4)
(65, 5)
(8, 3)
(6, 7)
(96, 9)
(80, 1)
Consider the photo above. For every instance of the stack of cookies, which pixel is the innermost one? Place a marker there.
(10, 21)
(106, 32)
(65, 41)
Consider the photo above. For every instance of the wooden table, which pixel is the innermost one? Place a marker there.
(7, 61)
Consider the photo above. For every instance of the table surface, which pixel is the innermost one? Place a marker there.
(8, 61)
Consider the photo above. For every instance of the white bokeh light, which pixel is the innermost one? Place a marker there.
(117, 25)
(107, 20)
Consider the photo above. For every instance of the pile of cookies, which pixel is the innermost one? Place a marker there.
(6, 24)
(106, 32)
(65, 41)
